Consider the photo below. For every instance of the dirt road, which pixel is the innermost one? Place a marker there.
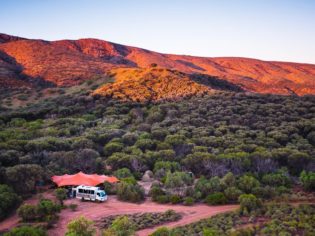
(95, 211)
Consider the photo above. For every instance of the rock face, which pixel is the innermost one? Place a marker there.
(69, 62)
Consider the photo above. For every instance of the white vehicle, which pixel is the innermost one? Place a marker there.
(89, 193)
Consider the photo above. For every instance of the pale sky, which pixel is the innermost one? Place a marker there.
(282, 30)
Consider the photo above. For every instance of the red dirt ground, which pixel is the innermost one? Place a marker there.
(95, 211)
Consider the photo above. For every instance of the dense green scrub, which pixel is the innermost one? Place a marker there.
(274, 219)
(244, 134)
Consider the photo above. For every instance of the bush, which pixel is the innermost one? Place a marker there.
(80, 227)
(178, 179)
(28, 212)
(8, 200)
(248, 203)
(45, 210)
(26, 231)
(189, 201)
(175, 199)
(232, 194)
(61, 194)
(130, 192)
(162, 231)
(123, 173)
(156, 191)
(279, 178)
(121, 226)
(216, 199)
(162, 199)
(246, 183)
(308, 180)
(109, 188)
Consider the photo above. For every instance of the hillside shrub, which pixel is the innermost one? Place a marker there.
(216, 199)
(130, 192)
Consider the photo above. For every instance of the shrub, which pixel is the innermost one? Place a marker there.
(174, 199)
(112, 147)
(28, 212)
(61, 194)
(8, 200)
(308, 180)
(189, 201)
(248, 203)
(109, 188)
(178, 179)
(130, 192)
(279, 178)
(162, 231)
(162, 199)
(232, 193)
(216, 199)
(26, 231)
(80, 227)
(45, 210)
(121, 226)
(246, 183)
(123, 173)
(156, 191)
(210, 232)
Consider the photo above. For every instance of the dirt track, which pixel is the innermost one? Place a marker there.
(95, 211)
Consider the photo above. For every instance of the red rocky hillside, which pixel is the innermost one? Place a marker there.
(69, 62)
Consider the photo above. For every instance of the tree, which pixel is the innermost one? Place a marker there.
(81, 227)
(308, 180)
(8, 200)
(26, 231)
(248, 203)
(112, 147)
(121, 226)
(28, 212)
(247, 183)
(123, 173)
(178, 179)
(23, 177)
(232, 193)
(61, 194)
(216, 199)
(130, 192)
(279, 178)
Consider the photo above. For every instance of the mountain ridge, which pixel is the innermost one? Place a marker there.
(70, 62)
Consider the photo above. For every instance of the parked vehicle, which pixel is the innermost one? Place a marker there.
(89, 193)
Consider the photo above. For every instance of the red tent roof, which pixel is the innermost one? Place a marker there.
(82, 179)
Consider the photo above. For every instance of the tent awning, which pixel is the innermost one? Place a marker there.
(82, 179)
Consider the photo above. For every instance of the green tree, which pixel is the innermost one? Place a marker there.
(216, 199)
(130, 192)
(247, 183)
(28, 212)
(23, 177)
(80, 227)
(61, 194)
(248, 203)
(8, 200)
(123, 173)
(308, 180)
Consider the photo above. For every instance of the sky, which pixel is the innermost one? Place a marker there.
(277, 30)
